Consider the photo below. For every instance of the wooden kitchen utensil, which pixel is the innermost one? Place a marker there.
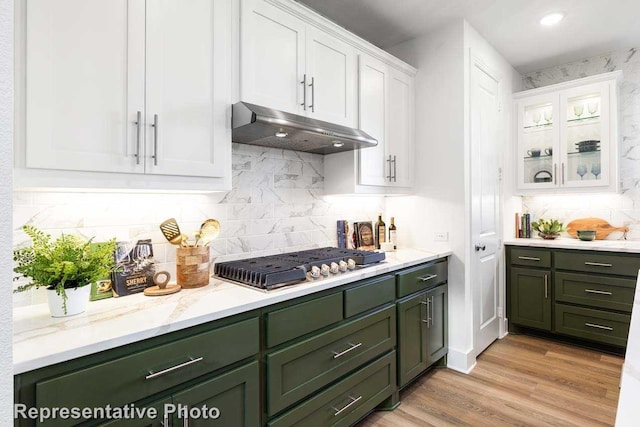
(161, 280)
(192, 266)
(602, 227)
(171, 231)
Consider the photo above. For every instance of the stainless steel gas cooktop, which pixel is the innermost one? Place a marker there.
(271, 272)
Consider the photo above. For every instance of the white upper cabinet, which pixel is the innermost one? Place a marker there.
(272, 57)
(290, 65)
(85, 84)
(375, 164)
(401, 127)
(567, 136)
(128, 86)
(187, 96)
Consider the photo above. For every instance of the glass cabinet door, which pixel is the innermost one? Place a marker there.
(538, 142)
(585, 134)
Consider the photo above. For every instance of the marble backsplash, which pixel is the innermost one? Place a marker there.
(277, 204)
(619, 209)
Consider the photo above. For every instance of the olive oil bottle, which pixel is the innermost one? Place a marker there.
(381, 231)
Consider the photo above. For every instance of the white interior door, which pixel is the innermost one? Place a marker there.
(188, 89)
(85, 84)
(485, 206)
(331, 64)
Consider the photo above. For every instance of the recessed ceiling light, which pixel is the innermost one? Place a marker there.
(281, 133)
(337, 144)
(551, 19)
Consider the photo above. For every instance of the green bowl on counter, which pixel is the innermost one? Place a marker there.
(586, 235)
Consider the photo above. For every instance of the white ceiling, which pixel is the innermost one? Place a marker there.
(590, 27)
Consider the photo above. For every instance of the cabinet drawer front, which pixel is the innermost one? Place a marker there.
(295, 321)
(421, 277)
(596, 291)
(530, 257)
(124, 380)
(369, 295)
(590, 324)
(298, 370)
(351, 398)
(593, 262)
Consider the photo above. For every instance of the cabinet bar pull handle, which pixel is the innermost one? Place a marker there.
(593, 325)
(429, 318)
(353, 401)
(394, 169)
(555, 173)
(173, 368)
(138, 123)
(389, 162)
(427, 278)
(594, 291)
(304, 92)
(562, 173)
(342, 353)
(546, 287)
(529, 258)
(597, 264)
(155, 140)
(313, 95)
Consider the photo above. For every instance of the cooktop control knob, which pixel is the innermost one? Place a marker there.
(351, 264)
(342, 266)
(315, 272)
(335, 268)
(324, 270)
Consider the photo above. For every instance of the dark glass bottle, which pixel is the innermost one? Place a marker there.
(381, 231)
(392, 233)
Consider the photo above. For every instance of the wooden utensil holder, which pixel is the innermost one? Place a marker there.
(192, 267)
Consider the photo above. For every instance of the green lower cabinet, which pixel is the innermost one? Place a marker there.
(530, 298)
(297, 371)
(595, 325)
(422, 332)
(348, 400)
(160, 419)
(229, 400)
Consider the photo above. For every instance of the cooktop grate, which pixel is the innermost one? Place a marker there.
(273, 271)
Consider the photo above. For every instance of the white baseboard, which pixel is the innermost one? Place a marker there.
(461, 361)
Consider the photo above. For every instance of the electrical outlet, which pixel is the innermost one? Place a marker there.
(441, 236)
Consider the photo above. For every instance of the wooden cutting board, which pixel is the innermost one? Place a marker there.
(602, 227)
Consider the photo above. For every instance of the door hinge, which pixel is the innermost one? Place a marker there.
(499, 174)
(499, 107)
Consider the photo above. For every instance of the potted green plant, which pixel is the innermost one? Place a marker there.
(65, 266)
(548, 229)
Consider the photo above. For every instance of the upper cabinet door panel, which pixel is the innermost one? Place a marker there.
(331, 64)
(271, 57)
(401, 127)
(188, 90)
(585, 128)
(85, 84)
(375, 169)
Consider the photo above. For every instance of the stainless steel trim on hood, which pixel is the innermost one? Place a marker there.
(267, 127)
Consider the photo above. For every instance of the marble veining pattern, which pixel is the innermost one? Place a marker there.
(39, 340)
(619, 209)
(276, 204)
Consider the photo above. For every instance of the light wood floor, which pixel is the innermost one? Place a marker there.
(519, 380)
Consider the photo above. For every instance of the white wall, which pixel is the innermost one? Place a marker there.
(442, 163)
(439, 201)
(6, 156)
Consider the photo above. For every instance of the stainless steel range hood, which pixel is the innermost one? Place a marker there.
(256, 125)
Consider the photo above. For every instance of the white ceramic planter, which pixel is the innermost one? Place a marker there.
(77, 300)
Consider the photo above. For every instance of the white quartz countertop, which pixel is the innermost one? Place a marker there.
(628, 409)
(630, 246)
(40, 340)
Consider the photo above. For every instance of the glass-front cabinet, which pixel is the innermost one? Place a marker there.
(567, 136)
